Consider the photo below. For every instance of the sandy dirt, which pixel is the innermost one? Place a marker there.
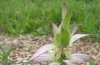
(28, 44)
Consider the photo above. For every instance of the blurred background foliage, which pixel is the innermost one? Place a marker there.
(34, 16)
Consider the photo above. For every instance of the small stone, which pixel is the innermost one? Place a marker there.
(19, 60)
(25, 60)
(18, 64)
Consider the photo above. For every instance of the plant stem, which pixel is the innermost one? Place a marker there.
(62, 50)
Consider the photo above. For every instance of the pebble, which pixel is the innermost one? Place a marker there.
(19, 60)
(25, 61)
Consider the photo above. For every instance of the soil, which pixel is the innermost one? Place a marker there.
(26, 45)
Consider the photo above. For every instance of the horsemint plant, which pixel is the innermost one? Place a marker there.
(60, 51)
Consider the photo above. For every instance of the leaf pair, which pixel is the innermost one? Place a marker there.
(61, 34)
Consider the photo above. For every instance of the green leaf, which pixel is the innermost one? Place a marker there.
(92, 63)
(91, 58)
(66, 21)
(56, 30)
(63, 39)
(64, 11)
(0, 54)
(2, 50)
(58, 40)
(8, 52)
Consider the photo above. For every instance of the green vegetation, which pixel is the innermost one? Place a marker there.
(4, 56)
(34, 16)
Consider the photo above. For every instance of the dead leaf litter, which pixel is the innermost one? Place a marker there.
(26, 45)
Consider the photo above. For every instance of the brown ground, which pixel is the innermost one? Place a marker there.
(28, 44)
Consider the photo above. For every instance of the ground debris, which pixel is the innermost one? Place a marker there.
(28, 44)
